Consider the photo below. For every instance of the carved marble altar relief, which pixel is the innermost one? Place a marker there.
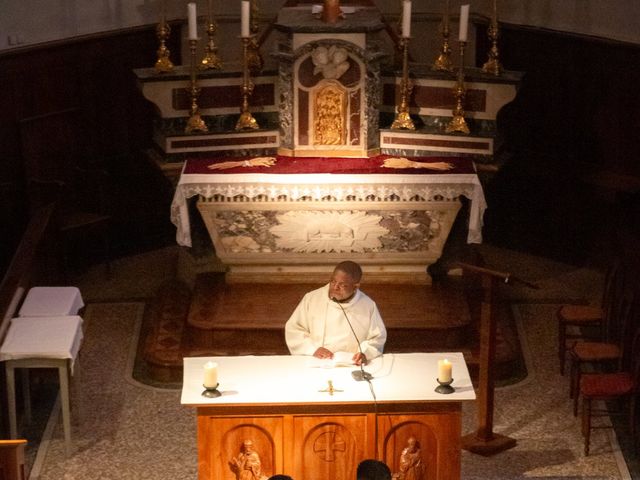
(254, 238)
(410, 232)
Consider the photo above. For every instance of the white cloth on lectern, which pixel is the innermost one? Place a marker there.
(318, 322)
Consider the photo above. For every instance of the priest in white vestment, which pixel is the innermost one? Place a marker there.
(319, 325)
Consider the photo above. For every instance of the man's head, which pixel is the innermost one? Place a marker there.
(247, 446)
(373, 470)
(412, 443)
(345, 280)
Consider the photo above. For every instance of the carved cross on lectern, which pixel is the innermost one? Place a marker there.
(327, 444)
(330, 388)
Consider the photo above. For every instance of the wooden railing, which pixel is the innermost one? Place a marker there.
(24, 265)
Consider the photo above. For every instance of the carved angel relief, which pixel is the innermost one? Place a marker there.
(331, 62)
(247, 465)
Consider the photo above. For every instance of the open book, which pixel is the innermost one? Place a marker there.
(340, 359)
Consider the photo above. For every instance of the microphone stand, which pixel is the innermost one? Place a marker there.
(358, 375)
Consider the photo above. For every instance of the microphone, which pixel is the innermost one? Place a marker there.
(358, 375)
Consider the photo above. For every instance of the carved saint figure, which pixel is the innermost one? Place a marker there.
(411, 466)
(247, 465)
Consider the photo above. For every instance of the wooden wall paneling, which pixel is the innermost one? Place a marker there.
(112, 122)
(571, 126)
(12, 218)
(52, 144)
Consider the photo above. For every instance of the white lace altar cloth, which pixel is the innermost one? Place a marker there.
(286, 188)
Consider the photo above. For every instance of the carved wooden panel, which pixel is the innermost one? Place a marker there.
(329, 447)
(221, 441)
(320, 442)
(430, 440)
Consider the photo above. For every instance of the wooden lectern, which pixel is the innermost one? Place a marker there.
(484, 440)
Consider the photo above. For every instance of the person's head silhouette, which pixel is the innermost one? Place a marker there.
(373, 470)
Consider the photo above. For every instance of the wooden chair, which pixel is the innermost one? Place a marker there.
(611, 351)
(609, 387)
(82, 210)
(12, 464)
(584, 322)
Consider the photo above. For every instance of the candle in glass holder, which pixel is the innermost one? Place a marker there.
(210, 375)
(464, 23)
(444, 371)
(193, 24)
(406, 18)
(244, 18)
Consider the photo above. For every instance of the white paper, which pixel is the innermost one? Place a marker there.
(340, 359)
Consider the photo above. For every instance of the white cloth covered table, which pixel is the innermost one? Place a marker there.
(51, 301)
(317, 186)
(41, 342)
(291, 379)
(43, 337)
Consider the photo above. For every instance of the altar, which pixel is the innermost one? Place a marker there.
(295, 220)
(295, 416)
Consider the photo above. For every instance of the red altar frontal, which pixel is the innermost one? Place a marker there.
(293, 220)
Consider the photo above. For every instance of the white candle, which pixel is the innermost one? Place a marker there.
(444, 370)
(406, 18)
(210, 375)
(464, 23)
(193, 24)
(244, 19)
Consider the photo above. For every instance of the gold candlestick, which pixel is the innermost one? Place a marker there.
(403, 119)
(211, 60)
(457, 123)
(163, 63)
(492, 65)
(195, 123)
(254, 60)
(443, 63)
(246, 120)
